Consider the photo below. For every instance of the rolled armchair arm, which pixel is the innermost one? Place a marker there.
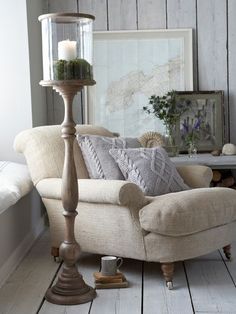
(97, 191)
(196, 176)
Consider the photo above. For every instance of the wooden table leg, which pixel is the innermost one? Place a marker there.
(168, 272)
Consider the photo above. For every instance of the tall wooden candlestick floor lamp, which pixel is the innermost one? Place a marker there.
(67, 67)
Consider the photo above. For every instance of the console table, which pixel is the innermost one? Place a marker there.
(214, 162)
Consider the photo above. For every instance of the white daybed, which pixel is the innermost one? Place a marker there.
(21, 215)
(15, 182)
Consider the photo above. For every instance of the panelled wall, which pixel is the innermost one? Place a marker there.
(214, 49)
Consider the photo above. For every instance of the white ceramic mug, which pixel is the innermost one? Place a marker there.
(110, 264)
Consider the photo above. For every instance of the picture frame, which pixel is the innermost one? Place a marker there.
(130, 66)
(203, 121)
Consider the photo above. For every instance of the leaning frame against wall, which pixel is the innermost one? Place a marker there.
(129, 67)
(203, 122)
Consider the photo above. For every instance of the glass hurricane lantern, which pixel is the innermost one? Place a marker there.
(67, 68)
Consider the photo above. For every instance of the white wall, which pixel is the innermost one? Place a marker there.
(20, 94)
(38, 93)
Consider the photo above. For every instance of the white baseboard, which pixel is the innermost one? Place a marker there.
(16, 257)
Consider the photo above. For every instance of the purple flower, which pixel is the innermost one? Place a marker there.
(185, 126)
(197, 124)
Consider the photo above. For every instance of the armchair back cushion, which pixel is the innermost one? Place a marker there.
(150, 168)
(43, 149)
(95, 150)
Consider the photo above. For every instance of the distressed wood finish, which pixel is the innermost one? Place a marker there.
(157, 299)
(212, 289)
(122, 14)
(55, 6)
(214, 62)
(182, 14)
(214, 256)
(168, 273)
(151, 14)
(70, 287)
(231, 266)
(212, 49)
(29, 281)
(232, 67)
(97, 8)
(55, 251)
(88, 264)
(209, 283)
(121, 301)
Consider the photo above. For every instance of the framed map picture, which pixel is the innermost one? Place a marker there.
(131, 66)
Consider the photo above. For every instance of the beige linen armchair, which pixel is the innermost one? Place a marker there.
(115, 218)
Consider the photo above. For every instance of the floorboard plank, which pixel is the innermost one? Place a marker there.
(157, 299)
(122, 301)
(88, 264)
(25, 288)
(211, 281)
(213, 256)
(211, 287)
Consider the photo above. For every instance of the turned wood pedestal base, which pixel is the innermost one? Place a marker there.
(70, 287)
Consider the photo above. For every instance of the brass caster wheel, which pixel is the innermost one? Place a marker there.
(229, 257)
(227, 251)
(169, 285)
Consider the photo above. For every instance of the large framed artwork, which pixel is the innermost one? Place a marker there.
(131, 66)
(203, 122)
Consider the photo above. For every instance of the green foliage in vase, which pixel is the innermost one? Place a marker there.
(165, 108)
(77, 69)
(191, 131)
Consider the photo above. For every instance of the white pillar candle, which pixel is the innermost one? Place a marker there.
(67, 50)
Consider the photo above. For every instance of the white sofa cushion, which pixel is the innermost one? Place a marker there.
(15, 182)
(189, 212)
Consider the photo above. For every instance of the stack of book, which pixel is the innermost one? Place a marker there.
(106, 282)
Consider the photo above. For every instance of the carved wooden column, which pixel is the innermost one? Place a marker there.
(70, 287)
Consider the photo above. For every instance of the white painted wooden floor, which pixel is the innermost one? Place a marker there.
(202, 285)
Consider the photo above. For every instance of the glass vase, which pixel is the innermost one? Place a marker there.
(192, 150)
(170, 140)
(67, 46)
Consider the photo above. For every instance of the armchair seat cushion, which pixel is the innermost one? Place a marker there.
(189, 212)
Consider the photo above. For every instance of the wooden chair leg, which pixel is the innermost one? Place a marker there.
(227, 251)
(168, 272)
(55, 254)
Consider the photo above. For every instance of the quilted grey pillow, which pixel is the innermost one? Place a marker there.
(95, 150)
(150, 168)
